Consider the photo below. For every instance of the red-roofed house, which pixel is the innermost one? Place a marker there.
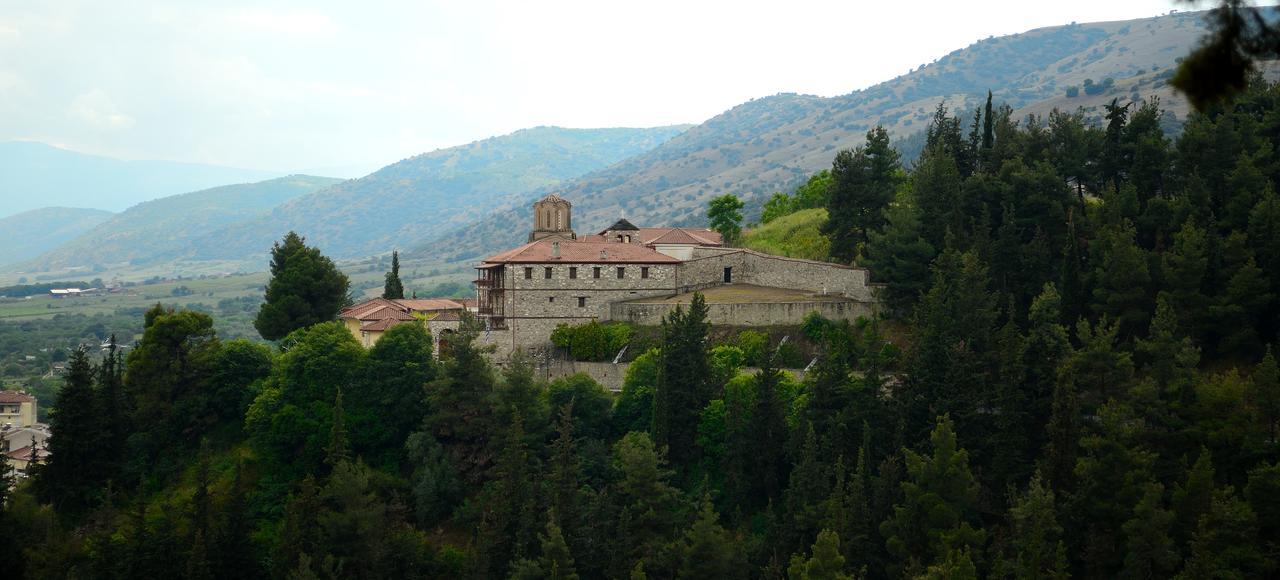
(368, 320)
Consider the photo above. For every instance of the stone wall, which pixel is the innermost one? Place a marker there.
(611, 376)
(750, 267)
(746, 313)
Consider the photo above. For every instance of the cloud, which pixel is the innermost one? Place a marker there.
(96, 109)
(289, 23)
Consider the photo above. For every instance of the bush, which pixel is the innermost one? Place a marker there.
(1073, 91)
(592, 341)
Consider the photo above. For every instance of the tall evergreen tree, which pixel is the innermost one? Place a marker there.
(74, 443)
(938, 513)
(681, 391)
(863, 184)
(305, 288)
(899, 256)
(393, 289)
(1264, 395)
(768, 427)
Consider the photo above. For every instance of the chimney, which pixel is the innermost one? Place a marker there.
(604, 254)
(555, 250)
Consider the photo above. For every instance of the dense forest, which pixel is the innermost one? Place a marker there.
(1080, 383)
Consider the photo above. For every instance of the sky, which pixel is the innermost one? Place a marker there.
(342, 88)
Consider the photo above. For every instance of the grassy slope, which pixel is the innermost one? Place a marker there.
(794, 235)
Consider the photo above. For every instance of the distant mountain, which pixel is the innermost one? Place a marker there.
(34, 175)
(164, 228)
(408, 202)
(32, 232)
(772, 143)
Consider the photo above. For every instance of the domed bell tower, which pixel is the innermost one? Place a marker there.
(552, 218)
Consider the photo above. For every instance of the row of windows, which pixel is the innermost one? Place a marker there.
(582, 301)
(596, 272)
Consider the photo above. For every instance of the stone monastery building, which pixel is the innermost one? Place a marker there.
(637, 275)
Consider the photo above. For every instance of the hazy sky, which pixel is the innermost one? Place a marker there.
(359, 84)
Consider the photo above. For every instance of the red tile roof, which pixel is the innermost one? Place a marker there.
(426, 304)
(15, 397)
(699, 235)
(582, 252)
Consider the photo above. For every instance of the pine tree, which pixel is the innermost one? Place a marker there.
(681, 390)
(1225, 544)
(1149, 550)
(1169, 356)
(563, 480)
(392, 289)
(1034, 536)
(806, 490)
(1185, 266)
(1264, 394)
(935, 189)
(1121, 278)
(707, 549)
(826, 563)
(74, 443)
(646, 502)
(900, 258)
(556, 560)
(1192, 499)
(938, 512)
(305, 288)
(863, 184)
(768, 427)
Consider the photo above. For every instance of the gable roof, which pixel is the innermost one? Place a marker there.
(581, 252)
(683, 236)
(16, 397)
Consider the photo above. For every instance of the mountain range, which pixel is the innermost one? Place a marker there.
(33, 232)
(163, 229)
(462, 202)
(35, 175)
(773, 143)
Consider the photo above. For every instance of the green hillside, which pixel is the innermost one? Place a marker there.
(770, 144)
(30, 233)
(409, 202)
(162, 229)
(796, 235)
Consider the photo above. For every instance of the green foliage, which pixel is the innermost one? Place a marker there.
(305, 288)
(863, 184)
(681, 390)
(592, 341)
(725, 216)
(812, 194)
(393, 289)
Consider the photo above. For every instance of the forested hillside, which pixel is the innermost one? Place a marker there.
(1084, 386)
(30, 233)
(163, 228)
(408, 202)
(773, 143)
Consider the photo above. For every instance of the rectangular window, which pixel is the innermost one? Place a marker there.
(644, 271)
(551, 299)
(582, 302)
(546, 272)
(528, 273)
(622, 272)
(595, 272)
(573, 272)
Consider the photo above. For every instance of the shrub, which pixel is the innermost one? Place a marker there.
(592, 341)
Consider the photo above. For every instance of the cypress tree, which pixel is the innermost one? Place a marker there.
(339, 448)
(75, 443)
(392, 289)
(681, 391)
(768, 427)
